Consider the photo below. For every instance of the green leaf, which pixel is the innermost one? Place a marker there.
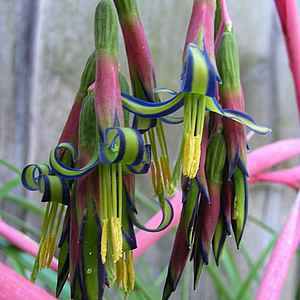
(231, 266)
(254, 271)
(232, 270)
(147, 293)
(14, 261)
(249, 260)
(47, 277)
(10, 166)
(262, 225)
(161, 277)
(26, 204)
(8, 186)
(150, 205)
(219, 284)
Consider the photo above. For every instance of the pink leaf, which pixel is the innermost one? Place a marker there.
(15, 287)
(271, 155)
(21, 241)
(288, 14)
(277, 267)
(289, 177)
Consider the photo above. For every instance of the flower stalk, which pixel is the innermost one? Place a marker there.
(143, 86)
(289, 19)
(90, 178)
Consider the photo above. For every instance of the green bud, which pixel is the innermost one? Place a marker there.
(218, 16)
(228, 62)
(126, 8)
(88, 74)
(88, 136)
(106, 28)
(215, 159)
(124, 83)
(125, 89)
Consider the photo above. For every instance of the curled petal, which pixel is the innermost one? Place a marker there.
(38, 178)
(167, 215)
(246, 120)
(199, 75)
(125, 145)
(32, 174)
(68, 172)
(173, 120)
(152, 110)
(118, 145)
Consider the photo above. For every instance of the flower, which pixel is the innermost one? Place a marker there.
(56, 190)
(90, 172)
(212, 201)
(232, 98)
(90, 178)
(143, 83)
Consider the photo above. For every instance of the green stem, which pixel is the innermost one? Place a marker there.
(26, 204)
(201, 115)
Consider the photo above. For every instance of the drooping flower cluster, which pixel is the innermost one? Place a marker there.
(215, 196)
(111, 136)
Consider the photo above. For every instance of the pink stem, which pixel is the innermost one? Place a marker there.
(21, 241)
(272, 154)
(225, 21)
(288, 14)
(277, 268)
(219, 35)
(289, 177)
(202, 18)
(15, 287)
(225, 13)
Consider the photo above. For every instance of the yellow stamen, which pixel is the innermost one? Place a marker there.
(125, 277)
(104, 240)
(166, 174)
(130, 270)
(50, 250)
(196, 156)
(188, 155)
(119, 268)
(116, 238)
(157, 177)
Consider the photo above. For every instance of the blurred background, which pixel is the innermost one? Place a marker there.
(44, 44)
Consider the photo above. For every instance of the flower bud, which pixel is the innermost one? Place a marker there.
(232, 98)
(106, 28)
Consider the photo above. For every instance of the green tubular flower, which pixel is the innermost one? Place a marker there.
(55, 190)
(84, 227)
(183, 239)
(70, 131)
(232, 98)
(198, 95)
(143, 85)
(90, 178)
(94, 178)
